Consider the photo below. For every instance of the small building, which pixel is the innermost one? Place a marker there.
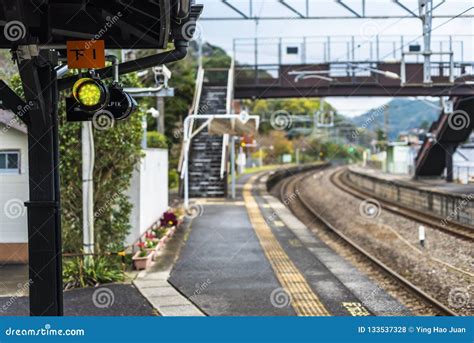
(148, 190)
(400, 158)
(13, 189)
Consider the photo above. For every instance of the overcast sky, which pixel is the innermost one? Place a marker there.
(222, 33)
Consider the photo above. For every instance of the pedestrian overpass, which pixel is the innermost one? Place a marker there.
(349, 66)
(323, 66)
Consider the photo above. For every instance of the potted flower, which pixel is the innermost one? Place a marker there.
(150, 239)
(152, 243)
(159, 232)
(142, 258)
(168, 219)
(164, 237)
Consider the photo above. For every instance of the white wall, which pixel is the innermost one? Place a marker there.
(14, 190)
(148, 192)
(402, 160)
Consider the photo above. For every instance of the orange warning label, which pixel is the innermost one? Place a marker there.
(86, 54)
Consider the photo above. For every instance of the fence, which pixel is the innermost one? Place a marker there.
(323, 49)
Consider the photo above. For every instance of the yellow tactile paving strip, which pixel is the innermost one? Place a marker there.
(304, 301)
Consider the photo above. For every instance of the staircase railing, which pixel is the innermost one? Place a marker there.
(225, 142)
(230, 88)
(198, 91)
(194, 110)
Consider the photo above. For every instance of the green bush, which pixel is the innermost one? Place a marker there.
(156, 140)
(173, 178)
(98, 270)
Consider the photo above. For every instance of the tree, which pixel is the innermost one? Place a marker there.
(275, 144)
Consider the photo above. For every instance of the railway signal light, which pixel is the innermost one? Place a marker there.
(91, 96)
(121, 104)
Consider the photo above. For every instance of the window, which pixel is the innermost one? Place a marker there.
(10, 162)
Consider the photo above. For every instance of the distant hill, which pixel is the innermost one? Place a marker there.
(403, 115)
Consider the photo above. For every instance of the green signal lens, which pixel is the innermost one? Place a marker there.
(91, 94)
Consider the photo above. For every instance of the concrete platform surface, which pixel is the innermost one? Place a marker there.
(253, 257)
(154, 286)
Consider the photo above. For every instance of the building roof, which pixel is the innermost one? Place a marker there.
(11, 121)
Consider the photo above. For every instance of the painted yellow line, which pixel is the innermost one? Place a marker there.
(303, 299)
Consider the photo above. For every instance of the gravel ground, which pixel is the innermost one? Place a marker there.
(394, 240)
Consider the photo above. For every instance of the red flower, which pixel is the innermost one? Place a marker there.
(150, 235)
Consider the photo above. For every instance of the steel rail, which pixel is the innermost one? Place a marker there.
(422, 295)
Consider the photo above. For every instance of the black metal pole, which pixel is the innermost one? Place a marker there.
(44, 224)
(449, 162)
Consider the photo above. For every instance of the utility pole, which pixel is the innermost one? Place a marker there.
(425, 8)
(160, 101)
(39, 78)
(385, 122)
(232, 165)
(88, 158)
(160, 120)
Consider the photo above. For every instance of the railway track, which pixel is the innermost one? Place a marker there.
(290, 186)
(339, 179)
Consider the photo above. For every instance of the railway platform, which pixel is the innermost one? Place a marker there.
(448, 204)
(251, 256)
(424, 184)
